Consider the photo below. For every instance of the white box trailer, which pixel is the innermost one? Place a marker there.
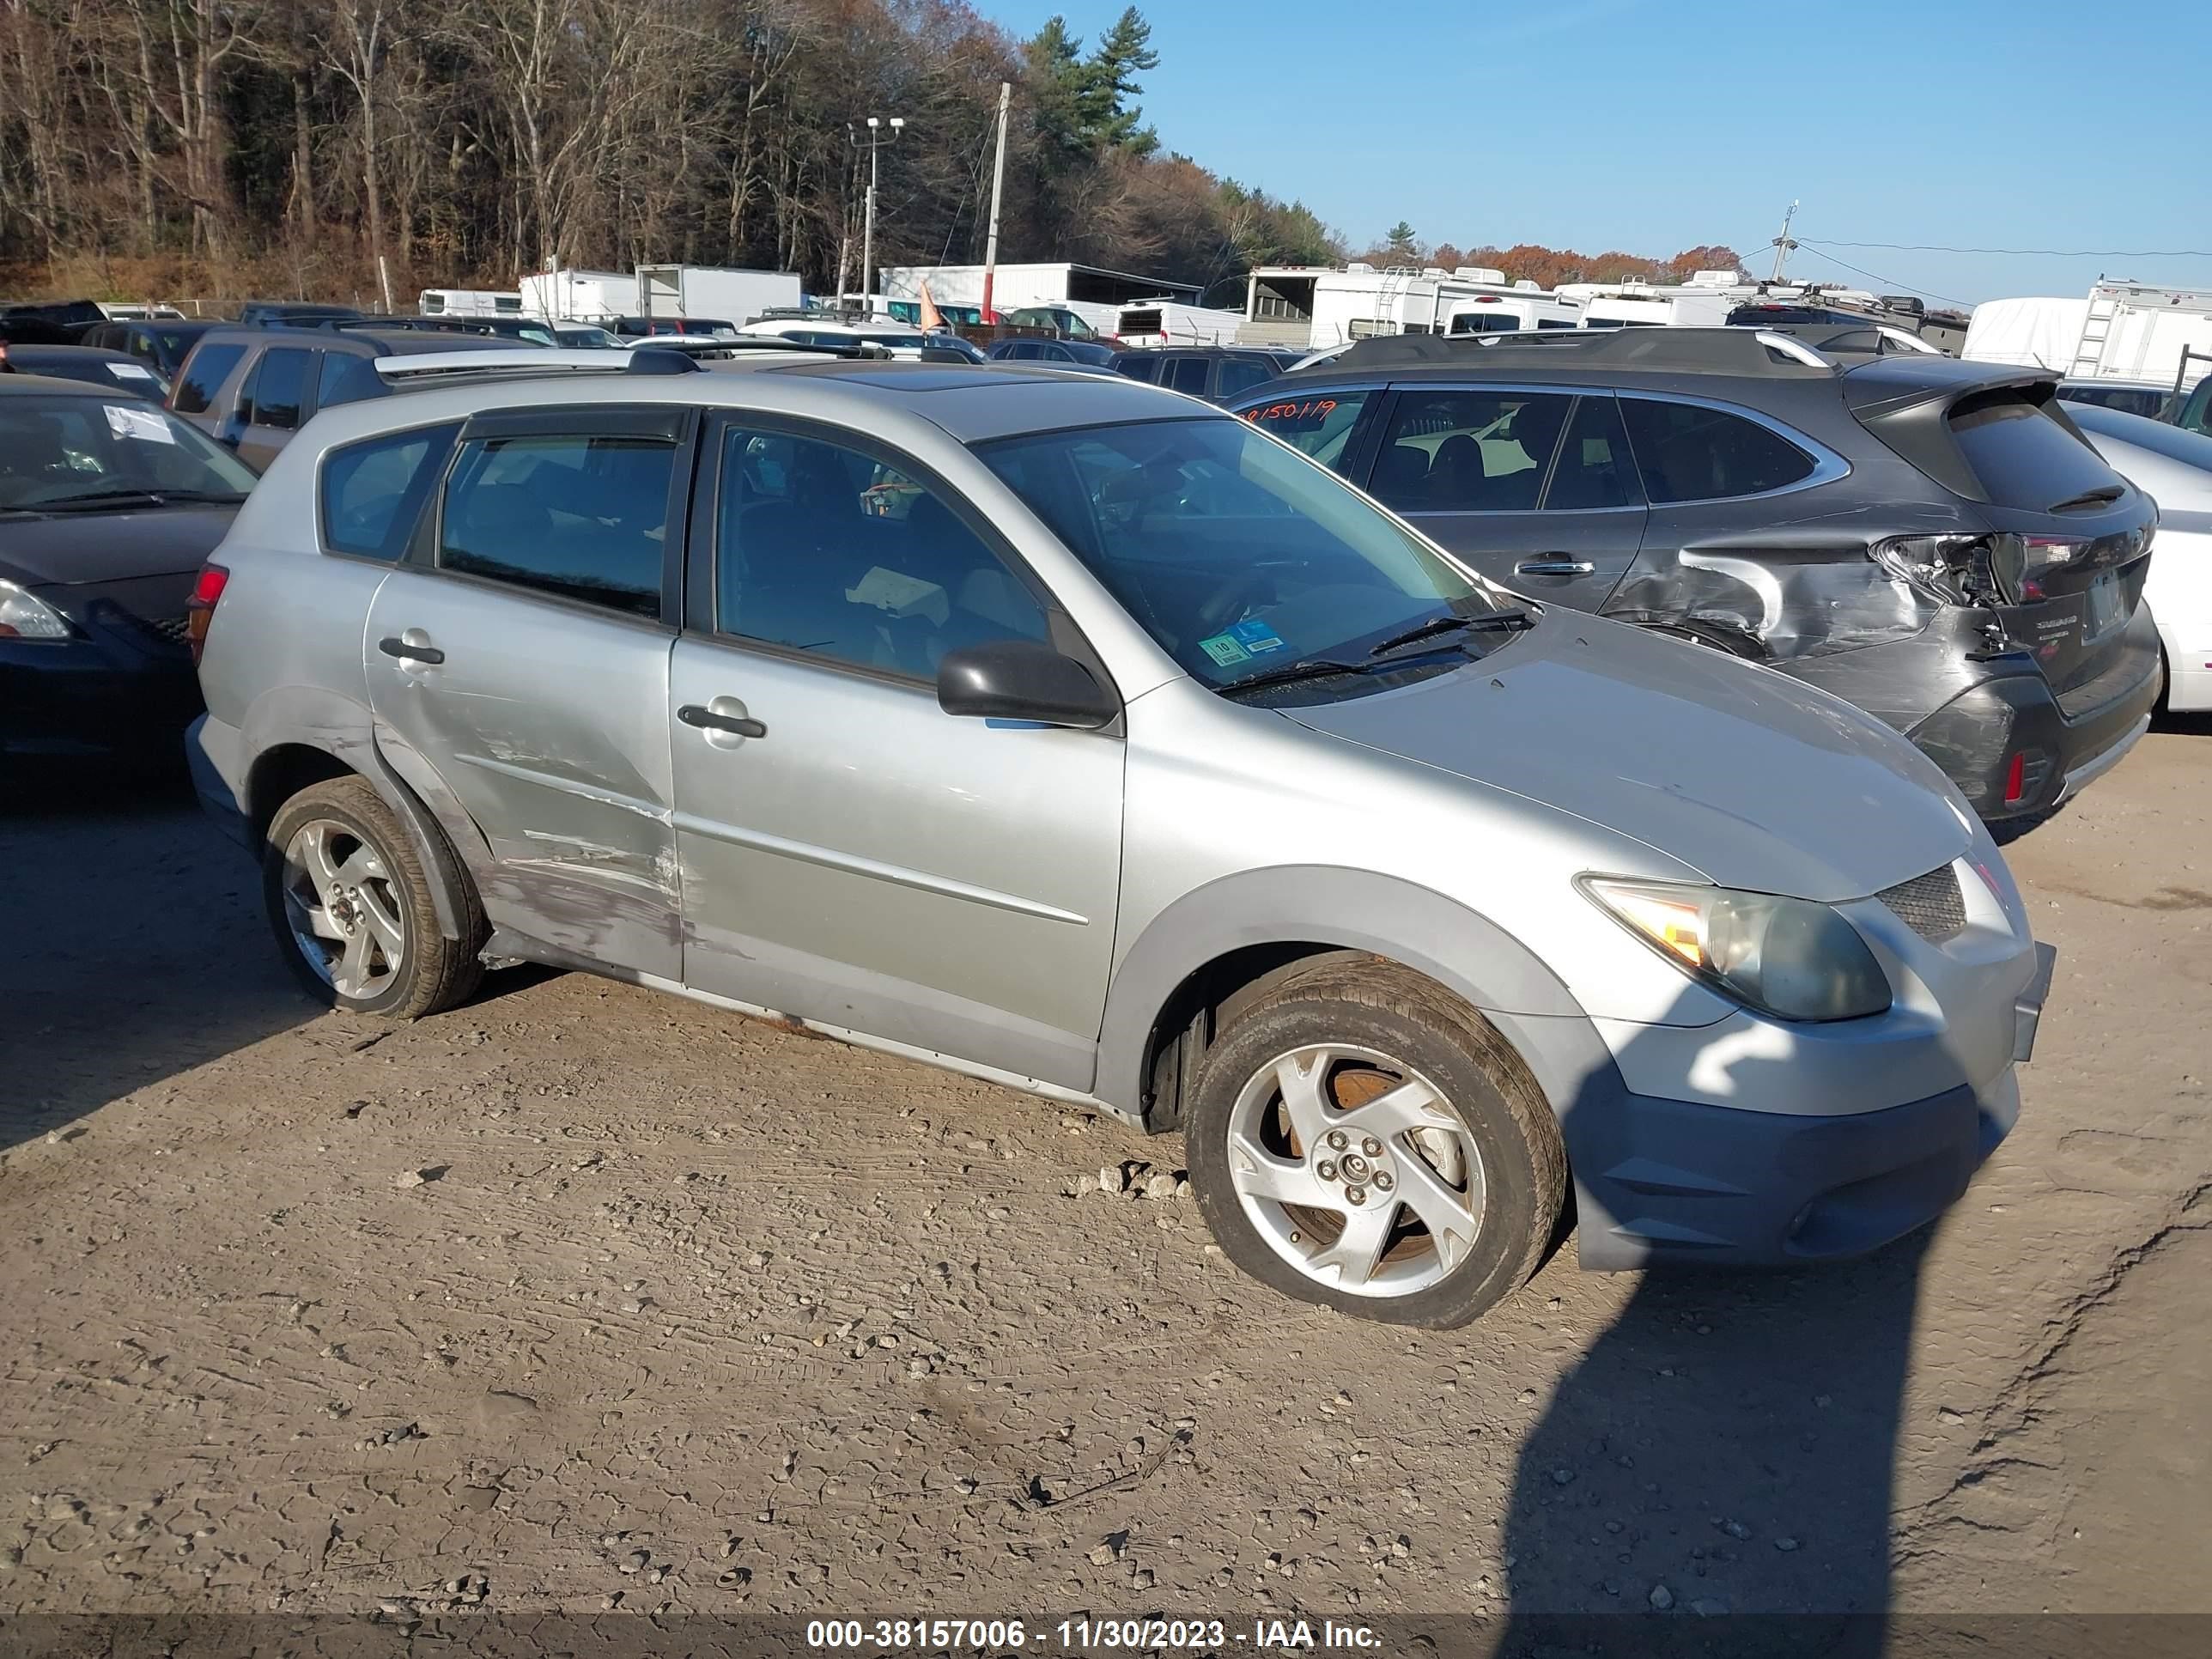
(580, 296)
(1657, 305)
(1166, 323)
(732, 296)
(1313, 308)
(469, 302)
(2120, 331)
(1091, 292)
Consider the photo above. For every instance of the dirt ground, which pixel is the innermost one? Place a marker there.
(585, 1299)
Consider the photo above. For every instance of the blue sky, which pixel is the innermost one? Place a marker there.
(1651, 125)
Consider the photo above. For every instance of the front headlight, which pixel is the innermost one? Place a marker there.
(1789, 958)
(25, 616)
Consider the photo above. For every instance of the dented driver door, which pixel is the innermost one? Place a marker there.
(517, 663)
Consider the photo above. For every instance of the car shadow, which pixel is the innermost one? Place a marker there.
(137, 948)
(1714, 1475)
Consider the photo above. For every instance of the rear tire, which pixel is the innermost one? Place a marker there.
(1362, 1139)
(349, 904)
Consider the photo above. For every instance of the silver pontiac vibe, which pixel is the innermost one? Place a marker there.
(1071, 734)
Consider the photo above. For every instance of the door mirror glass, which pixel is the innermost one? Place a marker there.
(1022, 680)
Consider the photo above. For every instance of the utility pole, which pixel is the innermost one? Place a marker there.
(997, 186)
(879, 134)
(1782, 243)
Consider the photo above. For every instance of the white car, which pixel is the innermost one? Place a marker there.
(2175, 468)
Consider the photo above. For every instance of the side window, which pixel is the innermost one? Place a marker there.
(582, 517)
(1467, 452)
(1689, 453)
(1321, 425)
(1594, 468)
(346, 379)
(1186, 374)
(279, 387)
(373, 491)
(209, 367)
(1238, 376)
(1139, 366)
(2197, 414)
(823, 550)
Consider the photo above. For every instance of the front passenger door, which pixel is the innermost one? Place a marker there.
(852, 854)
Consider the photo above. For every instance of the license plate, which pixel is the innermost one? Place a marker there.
(2103, 611)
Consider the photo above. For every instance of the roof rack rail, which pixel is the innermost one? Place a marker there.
(659, 356)
(1717, 350)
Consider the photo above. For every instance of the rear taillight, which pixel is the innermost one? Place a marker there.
(1979, 570)
(2016, 779)
(199, 610)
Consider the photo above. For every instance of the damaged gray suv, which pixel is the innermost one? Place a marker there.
(1074, 735)
(1931, 539)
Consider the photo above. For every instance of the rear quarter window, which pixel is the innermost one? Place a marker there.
(373, 491)
(204, 372)
(2023, 453)
(1689, 452)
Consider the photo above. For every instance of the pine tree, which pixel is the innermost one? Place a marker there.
(1401, 241)
(1124, 53)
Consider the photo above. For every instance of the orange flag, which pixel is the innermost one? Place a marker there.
(931, 320)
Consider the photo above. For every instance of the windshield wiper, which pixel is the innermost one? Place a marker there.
(1308, 668)
(98, 498)
(1453, 624)
(2099, 496)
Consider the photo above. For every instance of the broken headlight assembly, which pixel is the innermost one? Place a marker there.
(1982, 571)
(1792, 958)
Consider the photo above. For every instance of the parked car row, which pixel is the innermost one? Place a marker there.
(1482, 778)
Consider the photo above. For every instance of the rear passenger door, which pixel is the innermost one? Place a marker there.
(517, 661)
(1532, 486)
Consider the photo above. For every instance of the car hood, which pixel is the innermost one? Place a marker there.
(75, 548)
(1752, 778)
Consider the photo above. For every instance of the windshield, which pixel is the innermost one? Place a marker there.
(1237, 554)
(69, 451)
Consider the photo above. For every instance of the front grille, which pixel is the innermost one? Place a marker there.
(1930, 905)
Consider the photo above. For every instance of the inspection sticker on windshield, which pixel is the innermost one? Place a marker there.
(150, 424)
(131, 371)
(1256, 637)
(1224, 649)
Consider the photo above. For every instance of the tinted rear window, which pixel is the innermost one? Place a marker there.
(280, 383)
(204, 374)
(2022, 452)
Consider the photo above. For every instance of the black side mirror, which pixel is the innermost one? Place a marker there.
(1024, 680)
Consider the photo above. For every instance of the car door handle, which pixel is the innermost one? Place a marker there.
(1554, 568)
(399, 647)
(737, 726)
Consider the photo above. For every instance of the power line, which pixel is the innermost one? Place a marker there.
(1875, 277)
(2044, 252)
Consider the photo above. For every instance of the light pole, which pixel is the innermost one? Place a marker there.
(880, 132)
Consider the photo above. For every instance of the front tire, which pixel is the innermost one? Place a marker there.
(349, 904)
(1362, 1139)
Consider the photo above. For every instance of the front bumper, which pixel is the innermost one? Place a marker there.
(105, 692)
(1659, 1180)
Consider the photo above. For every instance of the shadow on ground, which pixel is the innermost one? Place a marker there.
(136, 948)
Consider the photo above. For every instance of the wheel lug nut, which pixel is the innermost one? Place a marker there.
(1326, 1169)
(1371, 1147)
(1355, 1195)
(1338, 1139)
(1383, 1184)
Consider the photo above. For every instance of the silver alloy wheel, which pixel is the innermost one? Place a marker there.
(343, 908)
(1355, 1171)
